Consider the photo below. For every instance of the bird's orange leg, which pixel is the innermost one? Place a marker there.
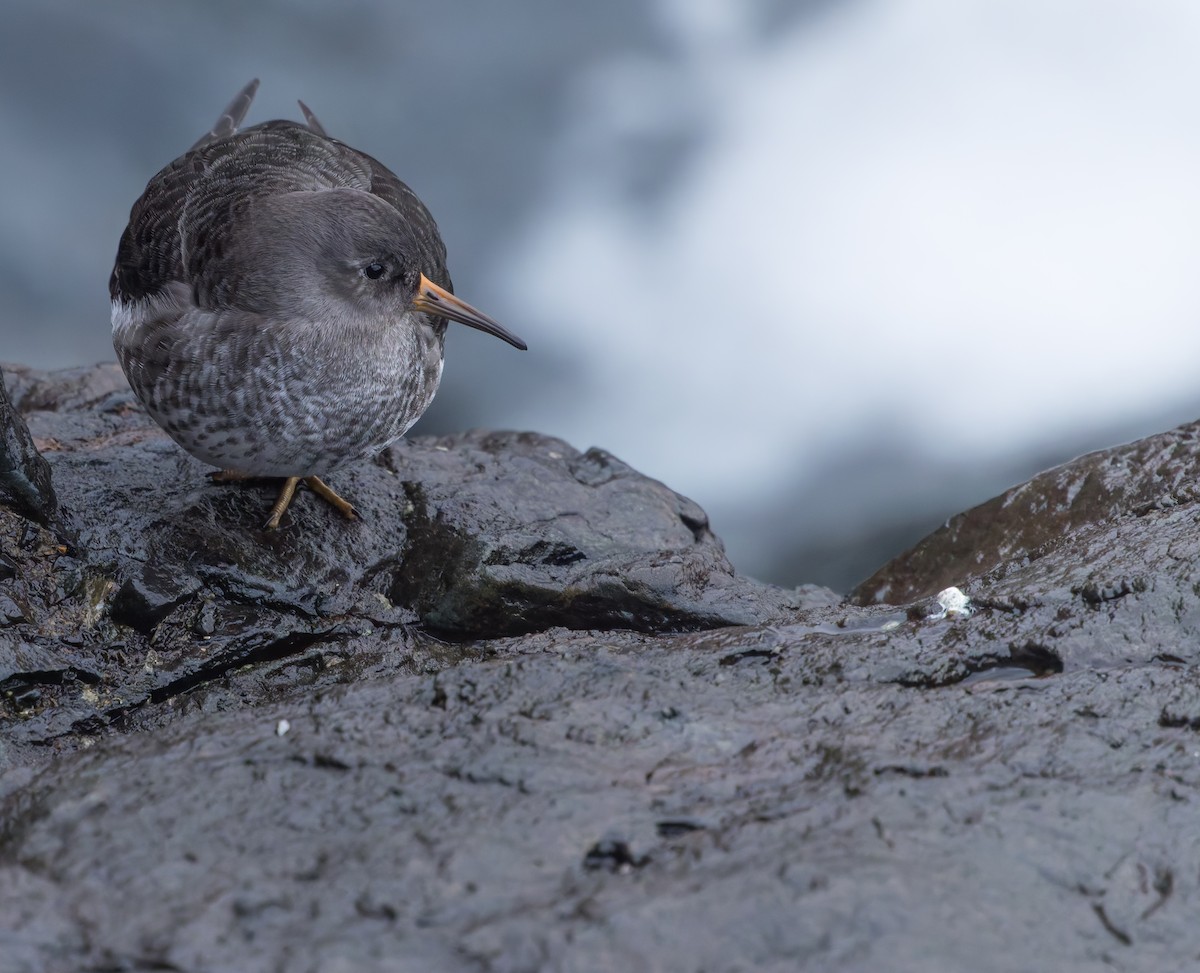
(322, 490)
(285, 497)
(288, 491)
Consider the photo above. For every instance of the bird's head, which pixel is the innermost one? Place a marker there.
(340, 250)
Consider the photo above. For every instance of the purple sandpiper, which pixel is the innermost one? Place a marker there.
(279, 303)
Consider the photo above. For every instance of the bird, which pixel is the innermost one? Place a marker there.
(280, 303)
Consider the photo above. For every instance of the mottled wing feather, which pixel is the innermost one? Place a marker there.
(177, 229)
(386, 186)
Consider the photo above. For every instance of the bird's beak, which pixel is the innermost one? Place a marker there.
(438, 301)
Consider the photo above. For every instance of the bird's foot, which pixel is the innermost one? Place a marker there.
(322, 490)
(319, 487)
(288, 491)
(281, 504)
(231, 476)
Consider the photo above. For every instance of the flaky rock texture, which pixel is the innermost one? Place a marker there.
(526, 717)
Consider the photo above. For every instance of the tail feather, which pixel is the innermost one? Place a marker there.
(231, 118)
(311, 119)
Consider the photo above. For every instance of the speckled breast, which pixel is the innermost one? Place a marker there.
(277, 401)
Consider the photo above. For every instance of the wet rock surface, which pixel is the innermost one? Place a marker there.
(1100, 489)
(503, 724)
(24, 474)
(171, 581)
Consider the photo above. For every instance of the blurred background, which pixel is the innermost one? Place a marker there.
(836, 269)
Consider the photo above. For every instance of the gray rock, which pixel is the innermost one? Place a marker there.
(1096, 490)
(321, 781)
(174, 583)
(25, 485)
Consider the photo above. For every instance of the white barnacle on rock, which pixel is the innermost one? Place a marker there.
(952, 601)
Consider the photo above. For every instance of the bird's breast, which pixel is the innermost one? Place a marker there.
(272, 397)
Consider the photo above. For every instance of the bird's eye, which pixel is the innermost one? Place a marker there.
(374, 270)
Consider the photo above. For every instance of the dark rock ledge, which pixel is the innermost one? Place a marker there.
(525, 716)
